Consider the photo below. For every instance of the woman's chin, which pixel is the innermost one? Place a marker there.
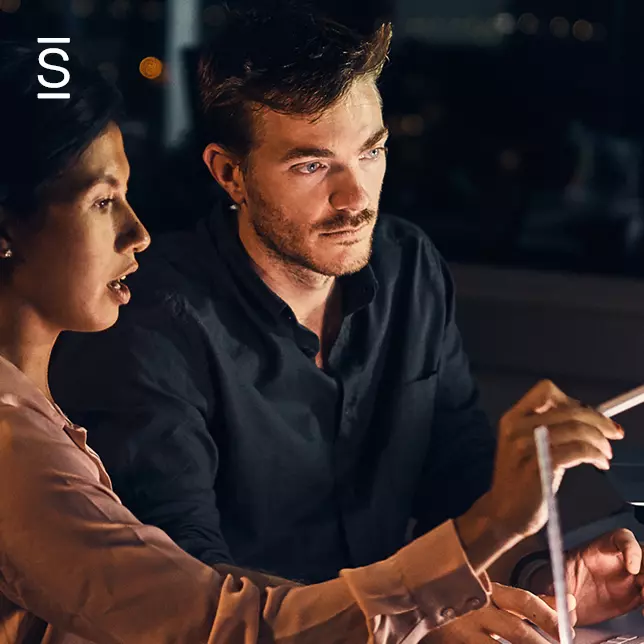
(92, 322)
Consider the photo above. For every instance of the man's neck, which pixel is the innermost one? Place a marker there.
(306, 292)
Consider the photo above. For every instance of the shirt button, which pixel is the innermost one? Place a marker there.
(473, 603)
(448, 614)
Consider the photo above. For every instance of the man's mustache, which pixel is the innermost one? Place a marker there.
(342, 221)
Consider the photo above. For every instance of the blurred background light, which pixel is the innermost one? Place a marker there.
(151, 67)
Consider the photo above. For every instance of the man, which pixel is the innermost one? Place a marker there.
(296, 390)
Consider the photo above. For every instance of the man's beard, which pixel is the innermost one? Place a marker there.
(285, 240)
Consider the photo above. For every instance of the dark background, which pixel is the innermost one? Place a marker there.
(516, 124)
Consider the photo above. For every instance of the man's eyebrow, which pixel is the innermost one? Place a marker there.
(302, 152)
(372, 140)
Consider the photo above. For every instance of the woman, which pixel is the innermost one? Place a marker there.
(75, 565)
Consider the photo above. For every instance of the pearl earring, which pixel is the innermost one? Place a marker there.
(7, 253)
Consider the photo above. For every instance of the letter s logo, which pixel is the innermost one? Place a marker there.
(57, 68)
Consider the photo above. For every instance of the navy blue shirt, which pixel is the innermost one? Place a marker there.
(215, 424)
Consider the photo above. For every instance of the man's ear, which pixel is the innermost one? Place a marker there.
(5, 235)
(226, 169)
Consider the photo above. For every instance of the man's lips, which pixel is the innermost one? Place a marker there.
(346, 231)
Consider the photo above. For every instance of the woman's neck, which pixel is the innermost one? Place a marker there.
(27, 343)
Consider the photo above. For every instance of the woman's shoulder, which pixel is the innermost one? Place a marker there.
(25, 411)
(34, 445)
(23, 424)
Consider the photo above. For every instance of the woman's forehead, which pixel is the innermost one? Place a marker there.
(104, 161)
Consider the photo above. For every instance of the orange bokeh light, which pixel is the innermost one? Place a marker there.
(151, 67)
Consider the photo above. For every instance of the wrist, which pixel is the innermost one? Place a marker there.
(483, 536)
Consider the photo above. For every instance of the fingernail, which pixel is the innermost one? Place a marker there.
(620, 429)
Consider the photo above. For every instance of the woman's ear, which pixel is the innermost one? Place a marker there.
(226, 169)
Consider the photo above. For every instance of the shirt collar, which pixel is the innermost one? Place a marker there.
(222, 225)
(358, 289)
(16, 389)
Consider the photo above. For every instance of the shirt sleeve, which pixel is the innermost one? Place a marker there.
(461, 453)
(71, 554)
(143, 392)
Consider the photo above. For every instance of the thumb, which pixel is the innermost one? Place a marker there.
(626, 543)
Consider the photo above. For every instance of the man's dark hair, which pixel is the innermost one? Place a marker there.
(292, 61)
(41, 139)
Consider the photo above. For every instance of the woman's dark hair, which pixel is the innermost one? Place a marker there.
(290, 61)
(41, 139)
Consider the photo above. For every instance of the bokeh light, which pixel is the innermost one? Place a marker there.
(151, 67)
(559, 27)
(10, 6)
(528, 23)
(583, 30)
(505, 24)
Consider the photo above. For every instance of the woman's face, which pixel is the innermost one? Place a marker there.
(67, 262)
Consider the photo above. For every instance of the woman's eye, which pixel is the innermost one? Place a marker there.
(102, 204)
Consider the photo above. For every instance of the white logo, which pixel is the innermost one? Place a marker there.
(57, 68)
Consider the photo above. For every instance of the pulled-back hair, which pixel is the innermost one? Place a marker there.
(41, 139)
(291, 61)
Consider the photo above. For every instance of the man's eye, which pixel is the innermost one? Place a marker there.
(309, 168)
(376, 153)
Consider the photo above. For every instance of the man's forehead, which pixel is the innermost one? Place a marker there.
(355, 116)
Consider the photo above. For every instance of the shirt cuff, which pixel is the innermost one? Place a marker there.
(427, 584)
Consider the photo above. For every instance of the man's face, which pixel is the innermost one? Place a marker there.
(313, 186)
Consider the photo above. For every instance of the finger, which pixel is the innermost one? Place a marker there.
(575, 431)
(572, 605)
(511, 628)
(475, 638)
(625, 541)
(552, 601)
(525, 605)
(544, 395)
(585, 415)
(574, 454)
